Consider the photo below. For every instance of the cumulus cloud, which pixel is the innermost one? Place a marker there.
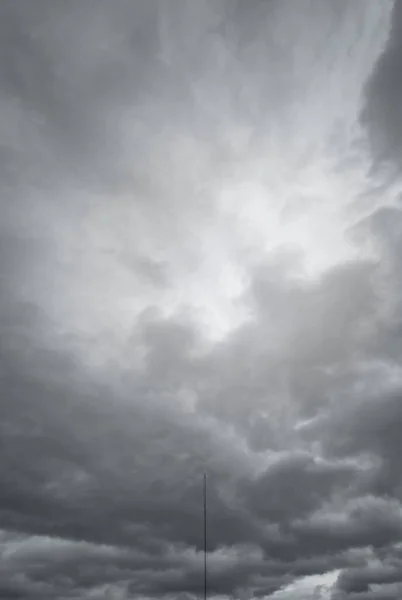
(200, 272)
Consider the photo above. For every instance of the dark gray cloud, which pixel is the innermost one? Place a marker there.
(381, 578)
(382, 112)
(200, 271)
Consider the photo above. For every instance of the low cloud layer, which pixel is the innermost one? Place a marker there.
(200, 272)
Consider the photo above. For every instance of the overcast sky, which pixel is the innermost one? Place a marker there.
(200, 261)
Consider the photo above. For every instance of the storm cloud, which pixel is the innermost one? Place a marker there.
(200, 259)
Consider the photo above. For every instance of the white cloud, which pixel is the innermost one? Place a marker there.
(313, 587)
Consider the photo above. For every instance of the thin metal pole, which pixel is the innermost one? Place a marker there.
(205, 536)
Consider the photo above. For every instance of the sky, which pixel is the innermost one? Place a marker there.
(200, 262)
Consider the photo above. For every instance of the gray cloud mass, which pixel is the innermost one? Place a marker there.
(200, 259)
